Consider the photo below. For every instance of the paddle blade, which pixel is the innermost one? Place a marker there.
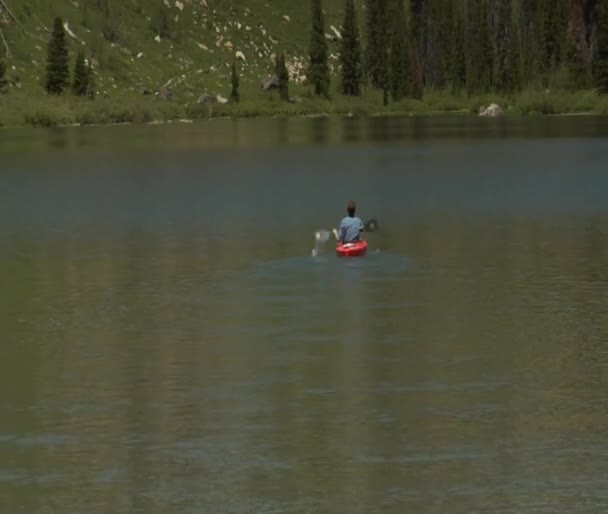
(371, 225)
(322, 236)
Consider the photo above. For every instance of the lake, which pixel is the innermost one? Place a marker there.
(169, 343)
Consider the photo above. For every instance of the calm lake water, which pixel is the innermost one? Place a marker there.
(168, 343)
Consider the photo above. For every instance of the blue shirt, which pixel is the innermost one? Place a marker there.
(350, 228)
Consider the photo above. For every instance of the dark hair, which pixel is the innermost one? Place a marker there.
(351, 207)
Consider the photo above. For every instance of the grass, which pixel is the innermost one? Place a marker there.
(19, 108)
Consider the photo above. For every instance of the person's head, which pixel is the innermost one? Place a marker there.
(351, 208)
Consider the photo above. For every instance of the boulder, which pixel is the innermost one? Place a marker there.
(492, 111)
(270, 82)
(165, 94)
(207, 99)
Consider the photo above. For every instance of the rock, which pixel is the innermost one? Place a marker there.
(207, 99)
(140, 55)
(203, 47)
(270, 82)
(179, 5)
(335, 31)
(165, 94)
(239, 55)
(228, 44)
(221, 100)
(67, 29)
(157, 39)
(492, 111)
(286, 18)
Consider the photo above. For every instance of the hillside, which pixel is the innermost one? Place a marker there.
(187, 45)
(549, 57)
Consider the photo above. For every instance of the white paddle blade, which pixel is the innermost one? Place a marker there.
(322, 236)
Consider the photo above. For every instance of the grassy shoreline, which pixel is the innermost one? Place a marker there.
(20, 110)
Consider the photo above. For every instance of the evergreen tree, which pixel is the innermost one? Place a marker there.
(400, 65)
(416, 17)
(283, 76)
(530, 32)
(486, 74)
(377, 65)
(90, 81)
(600, 64)
(80, 84)
(235, 80)
(350, 54)
(578, 51)
(476, 25)
(103, 7)
(161, 22)
(3, 79)
(458, 72)
(516, 61)
(57, 68)
(552, 27)
(439, 45)
(504, 60)
(371, 46)
(318, 72)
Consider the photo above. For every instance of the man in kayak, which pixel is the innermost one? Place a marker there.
(350, 226)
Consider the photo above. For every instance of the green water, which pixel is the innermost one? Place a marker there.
(169, 344)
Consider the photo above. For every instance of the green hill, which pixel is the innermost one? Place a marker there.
(185, 46)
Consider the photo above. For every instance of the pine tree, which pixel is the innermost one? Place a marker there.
(437, 59)
(350, 54)
(103, 7)
(3, 79)
(57, 68)
(475, 25)
(486, 74)
(578, 53)
(90, 81)
(600, 64)
(400, 64)
(516, 61)
(530, 33)
(552, 27)
(234, 94)
(458, 72)
(80, 83)
(283, 76)
(161, 21)
(503, 61)
(318, 73)
(416, 17)
(371, 44)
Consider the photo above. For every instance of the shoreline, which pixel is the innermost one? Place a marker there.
(299, 116)
(23, 110)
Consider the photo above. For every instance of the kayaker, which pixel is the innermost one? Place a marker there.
(350, 227)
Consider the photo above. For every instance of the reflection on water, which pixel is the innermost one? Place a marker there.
(169, 343)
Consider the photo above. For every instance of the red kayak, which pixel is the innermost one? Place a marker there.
(351, 249)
